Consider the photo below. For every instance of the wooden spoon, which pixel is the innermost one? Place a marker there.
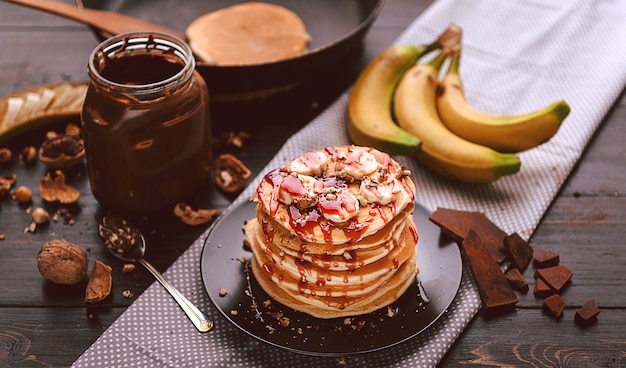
(110, 22)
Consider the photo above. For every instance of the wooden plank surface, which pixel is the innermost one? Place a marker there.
(45, 325)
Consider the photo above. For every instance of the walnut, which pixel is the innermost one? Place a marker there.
(62, 262)
(231, 175)
(62, 151)
(27, 156)
(22, 194)
(100, 282)
(53, 190)
(6, 182)
(191, 217)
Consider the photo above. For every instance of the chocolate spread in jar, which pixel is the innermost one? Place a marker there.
(146, 123)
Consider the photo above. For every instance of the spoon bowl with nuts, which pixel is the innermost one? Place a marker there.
(126, 242)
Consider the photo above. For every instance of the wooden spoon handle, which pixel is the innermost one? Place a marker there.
(107, 21)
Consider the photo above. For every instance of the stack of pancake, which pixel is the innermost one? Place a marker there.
(334, 234)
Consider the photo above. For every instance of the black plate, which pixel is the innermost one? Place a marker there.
(224, 265)
(337, 28)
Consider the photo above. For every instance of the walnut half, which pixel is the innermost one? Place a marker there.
(231, 175)
(62, 151)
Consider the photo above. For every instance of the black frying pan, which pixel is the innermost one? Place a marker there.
(337, 28)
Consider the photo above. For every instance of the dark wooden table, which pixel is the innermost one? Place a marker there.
(42, 324)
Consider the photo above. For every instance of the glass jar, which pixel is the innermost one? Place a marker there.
(145, 122)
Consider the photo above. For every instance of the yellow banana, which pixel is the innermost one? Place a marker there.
(442, 151)
(370, 122)
(503, 133)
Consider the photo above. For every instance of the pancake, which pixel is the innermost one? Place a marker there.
(321, 306)
(248, 33)
(333, 234)
(289, 241)
(331, 276)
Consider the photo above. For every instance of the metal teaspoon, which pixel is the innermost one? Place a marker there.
(127, 243)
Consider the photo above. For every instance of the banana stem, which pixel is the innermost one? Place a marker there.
(455, 62)
(438, 61)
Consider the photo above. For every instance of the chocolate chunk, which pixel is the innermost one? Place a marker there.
(517, 280)
(588, 313)
(554, 306)
(456, 224)
(542, 290)
(545, 258)
(555, 277)
(495, 291)
(520, 252)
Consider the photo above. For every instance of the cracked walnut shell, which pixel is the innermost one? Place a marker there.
(62, 262)
(191, 217)
(231, 175)
(53, 190)
(100, 282)
(62, 151)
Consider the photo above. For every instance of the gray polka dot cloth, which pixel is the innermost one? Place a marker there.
(518, 56)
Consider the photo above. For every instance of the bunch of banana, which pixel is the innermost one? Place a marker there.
(415, 107)
(399, 105)
(503, 133)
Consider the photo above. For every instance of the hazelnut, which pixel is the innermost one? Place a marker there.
(40, 216)
(62, 262)
(22, 194)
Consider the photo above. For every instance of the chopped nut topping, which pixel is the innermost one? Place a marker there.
(119, 236)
